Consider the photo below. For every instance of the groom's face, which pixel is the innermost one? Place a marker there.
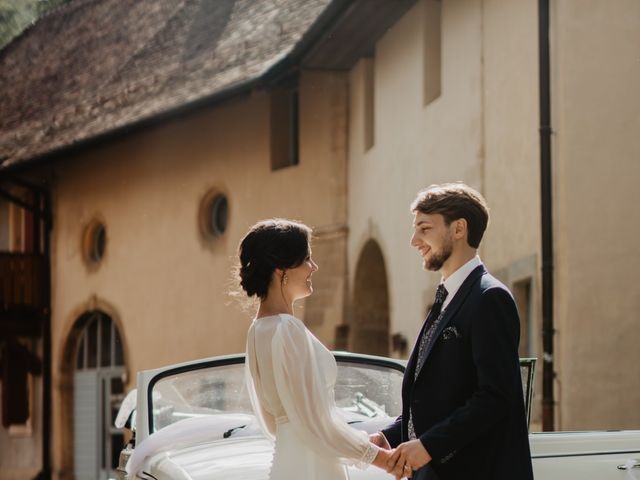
(432, 237)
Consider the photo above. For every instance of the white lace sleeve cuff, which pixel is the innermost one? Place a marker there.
(369, 455)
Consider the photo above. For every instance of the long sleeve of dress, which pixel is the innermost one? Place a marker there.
(265, 419)
(307, 400)
(304, 377)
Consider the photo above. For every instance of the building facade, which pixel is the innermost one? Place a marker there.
(452, 93)
(126, 206)
(146, 223)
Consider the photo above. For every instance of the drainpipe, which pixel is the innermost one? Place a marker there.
(546, 217)
(47, 405)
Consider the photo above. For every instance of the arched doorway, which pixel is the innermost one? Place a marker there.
(98, 390)
(369, 319)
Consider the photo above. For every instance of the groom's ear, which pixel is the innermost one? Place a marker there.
(460, 228)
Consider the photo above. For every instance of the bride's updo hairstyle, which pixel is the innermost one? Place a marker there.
(271, 244)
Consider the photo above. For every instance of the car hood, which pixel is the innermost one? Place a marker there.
(244, 458)
(219, 447)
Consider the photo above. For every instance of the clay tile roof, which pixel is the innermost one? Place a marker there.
(97, 66)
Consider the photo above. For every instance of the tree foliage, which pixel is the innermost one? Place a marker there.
(16, 15)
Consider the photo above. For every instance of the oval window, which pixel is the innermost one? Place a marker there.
(218, 214)
(214, 214)
(94, 243)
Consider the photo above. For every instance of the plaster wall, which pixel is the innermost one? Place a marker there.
(415, 145)
(165, 286)
(596, 121)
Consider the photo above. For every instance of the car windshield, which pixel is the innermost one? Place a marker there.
(363, 391)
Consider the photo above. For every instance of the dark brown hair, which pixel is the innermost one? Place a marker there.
(270, 244)
(454, 201)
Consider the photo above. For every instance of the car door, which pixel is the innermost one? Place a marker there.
(610, 455)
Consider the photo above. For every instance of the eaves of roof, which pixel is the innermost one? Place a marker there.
(95, 70)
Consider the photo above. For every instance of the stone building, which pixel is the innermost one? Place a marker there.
(453, 91)
(141, 149)
(134, 155)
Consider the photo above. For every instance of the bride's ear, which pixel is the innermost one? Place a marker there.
(279, 274)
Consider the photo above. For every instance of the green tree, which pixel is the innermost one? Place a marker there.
(16, 15)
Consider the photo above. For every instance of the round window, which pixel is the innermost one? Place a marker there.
(94, 243)
(218, 212)
(214, 214)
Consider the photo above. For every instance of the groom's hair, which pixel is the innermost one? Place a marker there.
(454, 201)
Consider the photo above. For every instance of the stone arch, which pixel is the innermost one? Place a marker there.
(78, 324)
(369, 319)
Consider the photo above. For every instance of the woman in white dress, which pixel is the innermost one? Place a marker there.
(290, 374)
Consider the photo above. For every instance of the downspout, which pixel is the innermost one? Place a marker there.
(46, 341)
(546, 217)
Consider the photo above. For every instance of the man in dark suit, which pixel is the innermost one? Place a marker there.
(463, 413)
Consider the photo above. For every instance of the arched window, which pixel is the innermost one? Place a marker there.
(98, 393)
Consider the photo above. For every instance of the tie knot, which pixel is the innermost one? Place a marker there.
(441, 294)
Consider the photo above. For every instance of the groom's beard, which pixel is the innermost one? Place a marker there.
(437, 259)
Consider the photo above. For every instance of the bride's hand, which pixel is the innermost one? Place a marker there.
(390, 461)
(382, 458)
(380, 440)
(382, 461)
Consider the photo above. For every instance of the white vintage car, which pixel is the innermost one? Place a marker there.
(193, 421)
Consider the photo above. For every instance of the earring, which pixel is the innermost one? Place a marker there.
(285, 279)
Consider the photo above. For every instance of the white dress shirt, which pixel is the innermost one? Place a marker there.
(457, 278)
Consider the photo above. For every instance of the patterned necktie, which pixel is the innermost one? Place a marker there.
(427, 333)
(441, 295)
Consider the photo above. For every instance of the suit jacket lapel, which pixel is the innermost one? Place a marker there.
(453, 307)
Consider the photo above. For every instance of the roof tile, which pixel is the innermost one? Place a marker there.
(95, 66)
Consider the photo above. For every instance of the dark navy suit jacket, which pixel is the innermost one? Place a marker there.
(467, 402)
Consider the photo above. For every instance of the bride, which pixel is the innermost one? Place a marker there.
(290, 374)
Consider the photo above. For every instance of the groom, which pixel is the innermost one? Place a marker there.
(463, 411)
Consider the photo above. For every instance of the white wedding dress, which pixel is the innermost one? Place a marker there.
(290, 378)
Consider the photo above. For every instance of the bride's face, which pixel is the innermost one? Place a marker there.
(299, 283)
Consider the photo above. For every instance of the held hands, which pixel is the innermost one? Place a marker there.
(403, 460)
(407, 457)
(384, 454)
(382, 458)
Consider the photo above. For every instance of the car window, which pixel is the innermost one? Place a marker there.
(362, 391)
(369, 391)
(207, 391)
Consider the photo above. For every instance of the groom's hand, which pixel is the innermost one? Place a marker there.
(411, 454)
(379, 440)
